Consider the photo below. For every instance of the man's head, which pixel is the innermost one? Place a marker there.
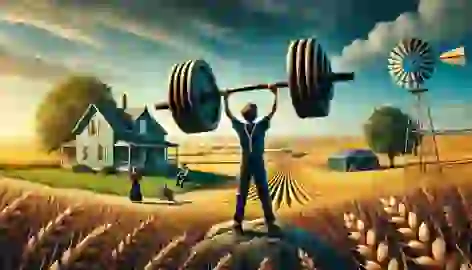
(249, 112)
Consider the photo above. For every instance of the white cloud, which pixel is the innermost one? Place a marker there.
(65, 23)
(30, 67)
(434, 20)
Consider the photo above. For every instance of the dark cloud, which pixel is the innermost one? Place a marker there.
(197, 26)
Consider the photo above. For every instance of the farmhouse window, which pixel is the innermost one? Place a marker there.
(142, 126)
(100, 152)
(98, 127)
(84, 153)
(92, 128)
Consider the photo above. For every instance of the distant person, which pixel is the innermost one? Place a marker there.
(182, 176)
(135, 177)
(252, 139)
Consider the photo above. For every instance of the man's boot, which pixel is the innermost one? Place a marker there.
(273, 230)
(238, 228)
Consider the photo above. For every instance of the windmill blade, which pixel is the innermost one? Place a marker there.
(455, 61)
(454, 57)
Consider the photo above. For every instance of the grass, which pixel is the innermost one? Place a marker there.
(108, 184)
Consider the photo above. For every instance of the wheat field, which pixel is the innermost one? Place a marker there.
(427, 228)
(408, 224)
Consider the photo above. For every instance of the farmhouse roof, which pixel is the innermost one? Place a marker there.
(135, 113)
(120, 121)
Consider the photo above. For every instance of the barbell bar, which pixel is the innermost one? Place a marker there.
(194, 98)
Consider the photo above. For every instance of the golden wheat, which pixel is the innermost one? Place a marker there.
(48, 244)
(427, 229)
(92, 252)
(171, 256)
(422, 240)
(224, 263)
(14, 230)
(133, 251)
(266, 264)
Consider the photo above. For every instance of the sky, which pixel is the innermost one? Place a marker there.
(132, 44)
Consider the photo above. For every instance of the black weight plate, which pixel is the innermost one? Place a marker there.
(310, 68)
(316, 103)
(186, 120)
(176, 89)
(319, 69)
(205, 94)
(301, 72)
(170, 90)
(201, 98)
(325, 83)
(174, 96)
(185, 98)
(330, 86)
(295, 95)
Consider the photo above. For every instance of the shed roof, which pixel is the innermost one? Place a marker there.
(354, 153)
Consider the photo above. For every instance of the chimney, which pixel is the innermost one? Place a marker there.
(124, 101)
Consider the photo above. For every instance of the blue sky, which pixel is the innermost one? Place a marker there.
(132, 45)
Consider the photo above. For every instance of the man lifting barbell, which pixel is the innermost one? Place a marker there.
(194, 96)
(252, 139)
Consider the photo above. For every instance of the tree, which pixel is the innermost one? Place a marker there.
(63, 106)
(392, 132)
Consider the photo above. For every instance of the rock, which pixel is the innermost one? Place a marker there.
(249, 250)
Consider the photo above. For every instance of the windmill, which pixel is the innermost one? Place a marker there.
(411, 63)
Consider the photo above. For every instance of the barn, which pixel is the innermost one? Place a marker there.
(353, 160)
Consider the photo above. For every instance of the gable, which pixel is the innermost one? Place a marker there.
(152, 125)
(84, 120)
(112, 115)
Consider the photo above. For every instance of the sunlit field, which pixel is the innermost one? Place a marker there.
(381, 211)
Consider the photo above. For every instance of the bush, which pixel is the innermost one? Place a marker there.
(109, 170)
(80, 168)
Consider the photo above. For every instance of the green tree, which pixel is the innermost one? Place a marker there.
(393, 132)
(63, 106)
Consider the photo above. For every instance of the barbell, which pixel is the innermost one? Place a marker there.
(194, 98)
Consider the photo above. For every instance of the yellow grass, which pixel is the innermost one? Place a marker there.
(24, 153)
(330, 191)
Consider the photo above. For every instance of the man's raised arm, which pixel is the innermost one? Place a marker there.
(275, 91)
(227, 110)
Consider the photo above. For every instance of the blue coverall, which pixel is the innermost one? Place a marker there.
(252, 165)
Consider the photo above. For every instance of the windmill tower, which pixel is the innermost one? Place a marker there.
(410, 64)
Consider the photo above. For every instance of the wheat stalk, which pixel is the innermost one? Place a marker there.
(90, 253)
(417, 241)
(266, 264)
(224, 263)
(131, 249)
(170, 257)
(14, 230)
(45, 247)
(306, 262)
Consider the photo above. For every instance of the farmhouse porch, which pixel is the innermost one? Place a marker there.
(67, 153)
(127, 162)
